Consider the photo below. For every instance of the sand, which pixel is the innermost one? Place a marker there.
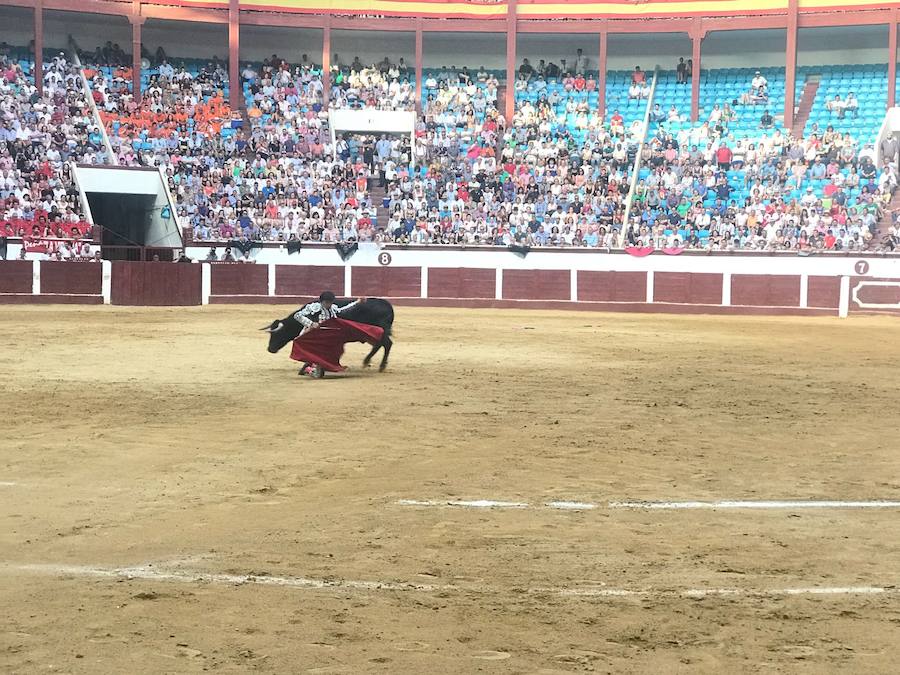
(257, 512)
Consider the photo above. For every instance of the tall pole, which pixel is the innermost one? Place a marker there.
(790, 66)
(601, 74)
(419, 80)
(510, 107)
(234, 50)
(697, 34)
(326, 64)
(892, 61)
(136, 22)
(39, 46)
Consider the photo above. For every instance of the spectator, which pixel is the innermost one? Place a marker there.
(758, 81)
(836, 106)
(681, 71)
(851, 104)
(890, 148)
(580, 63)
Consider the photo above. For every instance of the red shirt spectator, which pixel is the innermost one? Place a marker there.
(723, 156)
(638, 76)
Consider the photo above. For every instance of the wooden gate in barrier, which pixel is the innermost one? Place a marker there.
(155, 284)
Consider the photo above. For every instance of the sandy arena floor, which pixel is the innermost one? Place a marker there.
(168, 441)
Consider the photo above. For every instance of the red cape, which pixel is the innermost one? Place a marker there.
(325, 345)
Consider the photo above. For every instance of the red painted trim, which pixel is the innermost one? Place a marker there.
(419, 69)
(510, 103)
(39, 46)
(136, 22)
(89, 6)
(196, 14)
(235, 93)
(892, 61)
(790, 67)
(603, 39)
(664, 22)
(642, 307)
(326, 64)
(696, 42)
(49, 299)
(357, 26)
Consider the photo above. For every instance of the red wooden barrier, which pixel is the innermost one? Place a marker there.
(15, 276)
(612, 286)
(155, 284)
(71, 278)
(765, 290)
(387, 282)
(444, 282)
(536, 285)
(239, 279)
(870, 293)
(823, 292)
(308, 280)
(687, 287)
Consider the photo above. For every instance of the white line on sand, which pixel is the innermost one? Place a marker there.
(791, 504)
(6, 483)
(158, 574)
(587, 506)
(473, 504)
(150, 573)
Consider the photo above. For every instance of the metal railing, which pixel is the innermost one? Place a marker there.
(111, 156)
(635, 170)
(140, 253)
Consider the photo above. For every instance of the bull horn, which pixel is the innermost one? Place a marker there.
(269, 329)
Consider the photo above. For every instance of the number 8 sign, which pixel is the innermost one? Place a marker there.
(384, 258)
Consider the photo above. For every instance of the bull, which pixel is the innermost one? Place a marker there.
(374, 311)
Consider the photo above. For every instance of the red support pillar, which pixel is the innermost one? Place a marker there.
(419, 79)
(326, 64)
(601, 74)
(790, 66)
(892, 61)
(39, 46)
(510, 106)
(136, 23)
(234, 50)
(697, 34)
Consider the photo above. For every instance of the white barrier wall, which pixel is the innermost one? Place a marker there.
(371, 255)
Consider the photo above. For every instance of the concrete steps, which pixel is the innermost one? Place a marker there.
(807, 98)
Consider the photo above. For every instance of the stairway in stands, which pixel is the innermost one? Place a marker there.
(807, 98)
(376, 194)
(501, 106)
(886, 219)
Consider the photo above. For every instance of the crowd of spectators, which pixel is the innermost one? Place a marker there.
(383, 86)
(688, 197)
(469, 176)
(39, 136)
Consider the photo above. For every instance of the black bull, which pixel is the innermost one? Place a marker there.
(374, 311)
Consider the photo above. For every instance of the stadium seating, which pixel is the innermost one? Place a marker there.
(555, 174)
(38, 197)
(869, 83)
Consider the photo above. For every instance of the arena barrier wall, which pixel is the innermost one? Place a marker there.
(713, 284)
